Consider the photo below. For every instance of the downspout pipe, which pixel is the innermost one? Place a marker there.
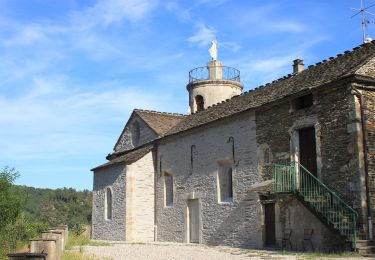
(365, 153)
(155, 154)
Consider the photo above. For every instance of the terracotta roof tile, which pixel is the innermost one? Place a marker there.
(160, 122)
(127, 158)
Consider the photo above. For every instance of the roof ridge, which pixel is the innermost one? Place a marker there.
(319, 63)
(290, 75)
(330, 68)
(157, 112)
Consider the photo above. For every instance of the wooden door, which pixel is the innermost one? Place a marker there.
(269, 219)
(193, 220)
(307, 148)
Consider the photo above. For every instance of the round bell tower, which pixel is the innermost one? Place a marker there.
(212, 84)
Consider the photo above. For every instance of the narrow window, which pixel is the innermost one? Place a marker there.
(303, 102)
(225, 184)
(229, 187)
(192, 149)
(136, 134)
(200, 103)
(168, 189)
(266, 156)
(108, 204)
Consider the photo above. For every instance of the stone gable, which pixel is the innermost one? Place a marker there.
(145, 126)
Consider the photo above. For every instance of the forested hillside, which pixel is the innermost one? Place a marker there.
(25, 211)
(54, 207)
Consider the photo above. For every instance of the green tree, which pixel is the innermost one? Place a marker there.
(10, 207)
(10, 203)
(22, 230)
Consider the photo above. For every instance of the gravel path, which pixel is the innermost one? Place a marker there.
(172, 251)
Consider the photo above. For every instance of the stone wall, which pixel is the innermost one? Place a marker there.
(212, 91)
(140, 200)
(114, 178)
(292, 215)
(369, 100)
(127, 136)
(195, 177)
(334, 116)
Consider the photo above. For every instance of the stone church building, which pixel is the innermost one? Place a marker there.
(289, 164)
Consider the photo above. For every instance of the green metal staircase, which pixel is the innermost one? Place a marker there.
(322, 201)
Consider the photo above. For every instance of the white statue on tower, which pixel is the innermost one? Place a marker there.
(213, 50)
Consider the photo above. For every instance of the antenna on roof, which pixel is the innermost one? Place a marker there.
(365, 22)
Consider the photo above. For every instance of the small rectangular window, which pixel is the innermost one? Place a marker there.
(303, 102)
(225, 181)
(108, 204)
(168, 189)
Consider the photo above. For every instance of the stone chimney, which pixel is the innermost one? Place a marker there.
(298, 66)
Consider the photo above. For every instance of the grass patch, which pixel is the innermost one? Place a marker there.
(97, 243)
(78, 242)
(82, 240)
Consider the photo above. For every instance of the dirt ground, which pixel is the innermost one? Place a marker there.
(168, 251)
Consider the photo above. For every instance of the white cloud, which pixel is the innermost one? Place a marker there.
(203, 36)
(58, 119)
(82, 30)
(26, 35)
(107, 12)
(261, 70)
(103, 14)
(209, 2)
(171, 6)
(271, 63)
(233, 46)
(186, 14)
(266, 19)
(285, 26)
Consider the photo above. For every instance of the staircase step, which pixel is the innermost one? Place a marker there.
(318, 200)
(343, 224)
(371, 256)
(322, 202)
(366, 250)
(364, 243)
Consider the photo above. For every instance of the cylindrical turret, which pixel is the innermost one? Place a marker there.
(212, 84)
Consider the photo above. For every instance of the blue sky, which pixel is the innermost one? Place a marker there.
(71, 71)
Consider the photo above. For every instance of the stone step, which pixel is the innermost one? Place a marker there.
(366, 250)
(364, 243)
(317, 200)
(344, 224)
(370, 256)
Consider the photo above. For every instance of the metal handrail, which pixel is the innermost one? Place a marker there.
(294, 177)
(203, 73)
(325, 186)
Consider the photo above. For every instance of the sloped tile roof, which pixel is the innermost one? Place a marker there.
(342, 65)
(127, 158)
(165, 124)
(160, 122)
